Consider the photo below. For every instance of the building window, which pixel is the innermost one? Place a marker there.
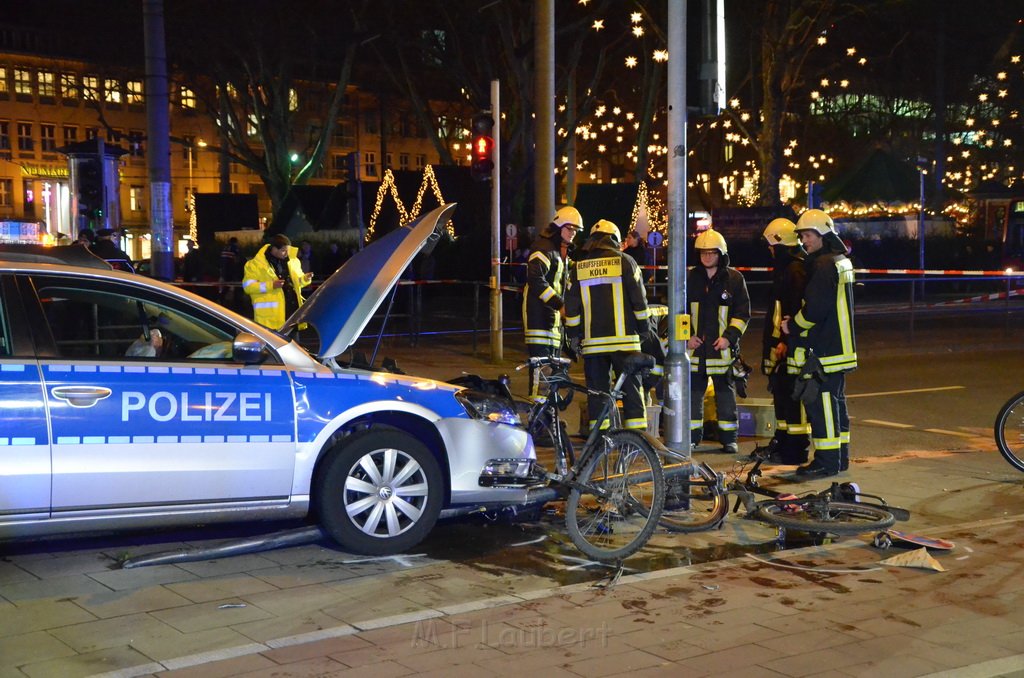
(47, 138)
(370, 164)
(29, 193)
(90, 88)
(70, 134)
(388, 161)
(133, 92)
(68, 86)
(91, 133)
(23, 81)
(293, 100)
(6, 191)
(403, 161)
(5, 136)
(47, 86)
(371, 123)
(111, 91)
(252, 128)
(135, 196)
(188, 152)
(135, 147)
(25, 136)
(188, 99)
(4, 88)
(421, 161)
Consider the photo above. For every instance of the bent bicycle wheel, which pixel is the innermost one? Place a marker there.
(615, 507)
(816, 515)
(545, 435)
(1009, 430)
(694, 499)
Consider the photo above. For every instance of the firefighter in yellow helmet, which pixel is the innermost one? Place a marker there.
(789, 443)
(606, 311)
(823, 344)
(719, 312)
(546, 274)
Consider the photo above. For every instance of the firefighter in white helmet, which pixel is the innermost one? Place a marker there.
(546, 274)
(824, 347)
(606, 311)
(719, 312)
(790, 441)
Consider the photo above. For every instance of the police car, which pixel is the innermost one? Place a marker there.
(130, 403)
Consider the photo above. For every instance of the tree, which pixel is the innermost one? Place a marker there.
(244, 61)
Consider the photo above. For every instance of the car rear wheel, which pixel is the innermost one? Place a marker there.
(380, 493)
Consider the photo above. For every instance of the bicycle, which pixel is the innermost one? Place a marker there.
(615, 489)
(1009, 431)
(697, 500)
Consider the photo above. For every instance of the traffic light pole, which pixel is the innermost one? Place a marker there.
(497, 347)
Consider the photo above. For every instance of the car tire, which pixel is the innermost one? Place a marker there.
(380, 493)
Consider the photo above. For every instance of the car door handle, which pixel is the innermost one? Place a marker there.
(80, 396)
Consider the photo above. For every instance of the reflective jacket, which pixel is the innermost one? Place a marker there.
(606, 304)
(719, 307)
(788, 281)
(542, 296)
(258, 282)
(825, 321)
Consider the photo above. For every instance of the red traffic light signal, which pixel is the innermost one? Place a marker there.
(483, 147)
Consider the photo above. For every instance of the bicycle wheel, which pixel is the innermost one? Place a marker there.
(1009, 430)
(818, 515)
(694, 500)
(556, 437)
(615, 506)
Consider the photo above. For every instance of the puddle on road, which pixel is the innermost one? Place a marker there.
(542, 548)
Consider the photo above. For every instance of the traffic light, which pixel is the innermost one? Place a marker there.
(90, 188)
(483, 147)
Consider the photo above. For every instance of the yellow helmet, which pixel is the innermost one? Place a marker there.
(568, 216)
(606, 227)
(817, 221)
(711, 240)
(781, 232)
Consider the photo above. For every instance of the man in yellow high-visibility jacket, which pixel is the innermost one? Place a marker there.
(274, 280)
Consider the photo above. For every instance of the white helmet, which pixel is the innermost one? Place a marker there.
(781, 232)
(711, 240)
(817, 221)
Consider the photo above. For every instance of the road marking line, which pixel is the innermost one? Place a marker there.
(904, 392)
(959, 434)
(891, 424)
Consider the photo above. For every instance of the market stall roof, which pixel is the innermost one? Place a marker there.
(880, 177)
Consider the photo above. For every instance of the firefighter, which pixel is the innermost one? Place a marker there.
(719, 313)
(543, 304)
(606, 314)
(824, 347)
(790, 440)
(274, 279)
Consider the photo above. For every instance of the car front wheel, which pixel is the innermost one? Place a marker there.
(380, 493)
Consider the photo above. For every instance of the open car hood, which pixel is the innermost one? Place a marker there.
(342, 306)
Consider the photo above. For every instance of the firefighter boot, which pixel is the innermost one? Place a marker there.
(825, 465)
(844, 456)
(795, 449)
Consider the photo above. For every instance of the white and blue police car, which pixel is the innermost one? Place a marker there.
(129, 403)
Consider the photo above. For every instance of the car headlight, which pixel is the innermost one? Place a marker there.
(484, 406)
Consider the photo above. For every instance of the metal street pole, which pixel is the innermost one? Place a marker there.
(677, 366)
(544, 123)
(497, 346)
(161, 218)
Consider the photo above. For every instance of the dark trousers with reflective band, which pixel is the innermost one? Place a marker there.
(537, 393)
(791, 423)
(830, 424)
(597, 369)
(725, 405)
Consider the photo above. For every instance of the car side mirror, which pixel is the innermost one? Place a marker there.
(248, 349)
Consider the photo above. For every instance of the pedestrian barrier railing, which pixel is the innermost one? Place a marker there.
(462, 307)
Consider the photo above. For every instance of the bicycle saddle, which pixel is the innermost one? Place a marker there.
(637, 362)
